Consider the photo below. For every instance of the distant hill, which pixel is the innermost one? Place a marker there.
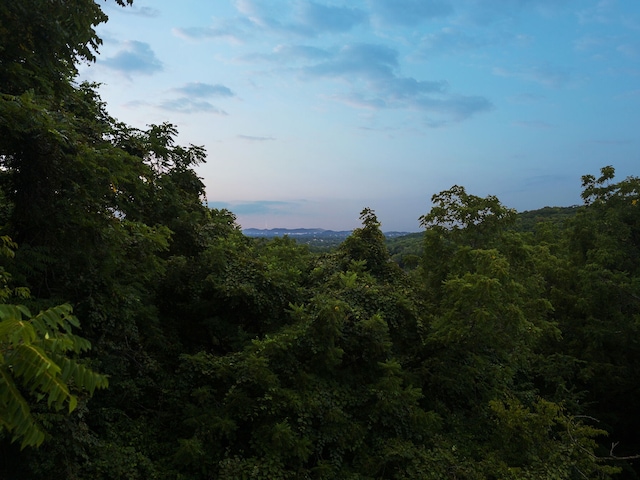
(527, 221)
(307, 232)
(404, 247)
(317, 239)
(296, 232)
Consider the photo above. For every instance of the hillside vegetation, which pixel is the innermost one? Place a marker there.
(143, 336)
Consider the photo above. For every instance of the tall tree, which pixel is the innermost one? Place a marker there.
(597, 305)
(487, 314)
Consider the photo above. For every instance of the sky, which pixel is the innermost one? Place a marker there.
(311, 111)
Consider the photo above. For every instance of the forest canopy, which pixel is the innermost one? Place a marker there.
(143, 336)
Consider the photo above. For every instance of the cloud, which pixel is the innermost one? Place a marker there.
(252, 138)
(370, 70)
(545, 74)
(112, 6)
(409, 12)
(134, 58)
(302, 18)
(631, 50)
(541, 180)
(189, 105)
(549, 75)
(605, 46)
(535, 124)
(590, 42)
(234, 30)
(202, 90)
(629, 94)
(260, 207)
(483, 12)
(192, 99)
(179, 105)
(600, 13)
(527, 98)
(611, 142)
(363, 60)
(369, 73)
(322, 18)
(289, 54)
(141, 11)
(458, 107)
(137, 104)
(260, 15)
(632, 22)
(449, 40)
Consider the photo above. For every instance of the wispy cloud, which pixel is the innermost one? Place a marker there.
(193, 98)
(483, 12)
(629, 94)
(588, 43)
(550, 75)
(538, 180)
(545, 74)
(450, 40)
(190, 105)
(303, 17)
(288, 54)
(630, 49)
(611, 142)
(370, 70)
(179, 105)
(148, 12)
(316, 18)
(137, 104)
(235, 30)
(134, 58)
(456, 107)
(363, 60)
(201, 90)
(527, 98)
(260, 207)
(252, 138)
(534, 124)
(600, 13)
(409, 12)
(604, 46)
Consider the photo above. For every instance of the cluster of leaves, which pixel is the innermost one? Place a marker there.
(502, 351)
(37, 360)
(33, 352)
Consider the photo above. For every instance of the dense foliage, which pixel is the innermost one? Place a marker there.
(501, 348)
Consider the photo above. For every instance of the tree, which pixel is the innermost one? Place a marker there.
(79, 198)
(323, 396)
(595, 289)
(41, 43)
(487, 316)
(488, 308)
(367, 244)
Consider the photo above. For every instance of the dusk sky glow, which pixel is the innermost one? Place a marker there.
(312, 110)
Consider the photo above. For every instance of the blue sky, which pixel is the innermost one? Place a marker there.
(313, 110)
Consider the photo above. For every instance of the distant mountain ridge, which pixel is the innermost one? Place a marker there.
(526, 222)
(306, 233)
